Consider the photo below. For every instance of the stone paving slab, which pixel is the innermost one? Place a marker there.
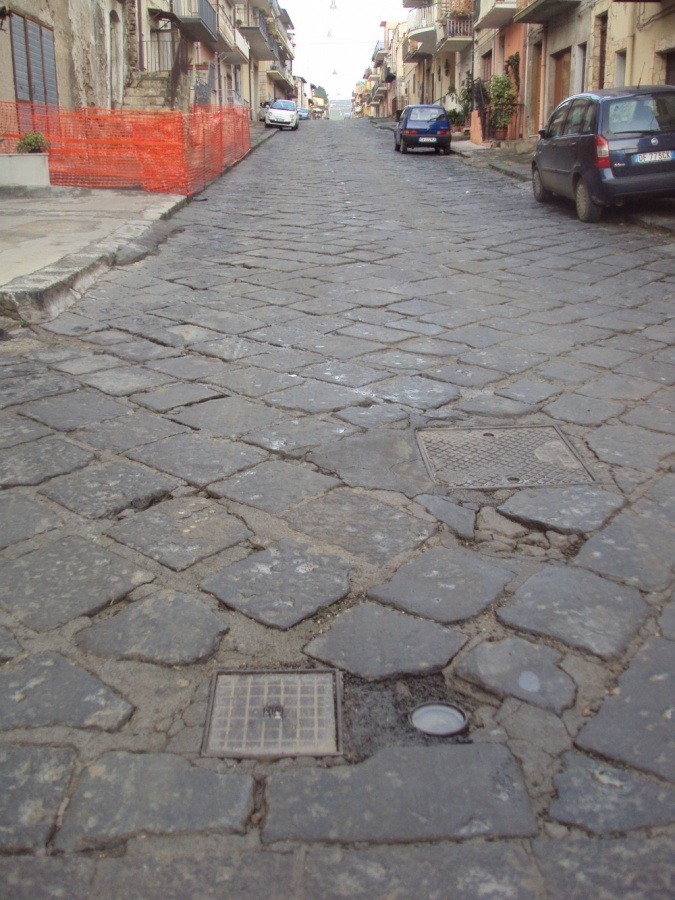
(577, 607)
(294, 436)
(282, 585)
(359, 524)
(375, 642)
(444, 584)
(65, 579)
(514, 667)
(21, 518)
(46, 689)
(459, 519)
(106, 489)
(178, 533)
(415, 391)
(69, 412)
(628, 445)
(228, 417)
(40, 460)
(15, 430)
(125, 794)
(635, 726)
(125, 380)
(402, 795)
(34, 387)
(632, 549)
(168, 628)
(273, 486)
(606, 800)
(174, 396)
(33, 783)
(9, 648)
(50, 878)
(571, 510)
(630, 868)
(127, 432)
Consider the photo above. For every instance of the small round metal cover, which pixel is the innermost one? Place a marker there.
(439, 719)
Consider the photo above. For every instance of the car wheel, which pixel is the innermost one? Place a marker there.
(404, 146)
(587, 209)
(267, 126)
(437, 150)
(541, 195)
(446, 150)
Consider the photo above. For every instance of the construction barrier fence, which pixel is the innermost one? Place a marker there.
(167, 152)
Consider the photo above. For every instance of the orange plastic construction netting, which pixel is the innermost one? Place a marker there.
(164, 152)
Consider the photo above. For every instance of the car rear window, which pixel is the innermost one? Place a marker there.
(650, 113)
(427, 114)
(283, 104)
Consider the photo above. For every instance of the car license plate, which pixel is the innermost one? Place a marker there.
(427, 140)
(656, 156)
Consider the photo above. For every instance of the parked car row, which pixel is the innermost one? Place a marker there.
(601, 148)
(282, 114)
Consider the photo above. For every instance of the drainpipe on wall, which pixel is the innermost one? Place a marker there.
(525, 69)
(543, 100)
(630, 48)
(139, 25)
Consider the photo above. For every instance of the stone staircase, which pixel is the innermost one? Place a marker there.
(149, 90)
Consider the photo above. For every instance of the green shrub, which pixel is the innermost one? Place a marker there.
(32, 142)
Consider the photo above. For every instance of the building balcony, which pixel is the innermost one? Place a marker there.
(422, 28)
(254, 28)
(417, 4)
(456, 34)
(198, 20)
(379, 53)
(412, 51)
(279, 72)
(538, 12)
(240, 53)
(496, 13)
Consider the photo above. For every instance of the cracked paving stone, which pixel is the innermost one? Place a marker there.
(9, 648)
(583, 410)
(295, 436)
(460, 520)
(635, 726)
(577, 607)
(578, 509)
(102, 491)
(199, 459)
(514, 667)
(69, 412)
(48, 690)
(283, 585)
(445, 585)
(415, 391)
(388, 460)
(33, 784)
(360, 525)
(14, 431)
(628, 445)
(40, 460)
(633, 549)
(169, 628)
(126, 380)
(529, 390)
(316, 397)
(403, 795)
(178, 533)
(632, 868)
(605, 800)
(125, 794)
(132, 430)
(459, 872)
(21, 519)
(228, 417)
(64, 580)
(375, 642)
(274, 486)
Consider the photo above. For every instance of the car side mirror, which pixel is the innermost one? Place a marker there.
(542, 132)
(398, 115)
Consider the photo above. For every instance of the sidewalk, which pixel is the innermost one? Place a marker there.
(56, 241)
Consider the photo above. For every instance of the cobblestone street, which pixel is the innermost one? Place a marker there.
(240, 453)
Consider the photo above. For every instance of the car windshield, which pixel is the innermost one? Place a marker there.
(284, 104)
(650, 113)
(426, 114)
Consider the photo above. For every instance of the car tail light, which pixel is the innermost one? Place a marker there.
(601, 152)
(411, 131)
(443, 131)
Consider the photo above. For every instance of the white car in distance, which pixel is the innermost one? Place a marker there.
(282, 114)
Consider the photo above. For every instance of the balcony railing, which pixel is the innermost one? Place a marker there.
(457, 27)
(422, 19)
(282, 70)
(199, 20)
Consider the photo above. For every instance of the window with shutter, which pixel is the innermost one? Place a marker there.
(34, 61)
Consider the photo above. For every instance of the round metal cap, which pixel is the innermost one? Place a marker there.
(440, 719)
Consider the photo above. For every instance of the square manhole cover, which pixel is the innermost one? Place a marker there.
(505, 457)
(272, 714)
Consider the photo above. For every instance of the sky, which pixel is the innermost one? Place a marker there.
(335, 46)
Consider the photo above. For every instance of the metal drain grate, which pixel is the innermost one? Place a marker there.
(509, 456)
(273, 714)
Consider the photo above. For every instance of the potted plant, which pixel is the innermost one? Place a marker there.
(503, 104)
(32, 142)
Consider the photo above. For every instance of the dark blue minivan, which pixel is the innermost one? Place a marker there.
(604, 147)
